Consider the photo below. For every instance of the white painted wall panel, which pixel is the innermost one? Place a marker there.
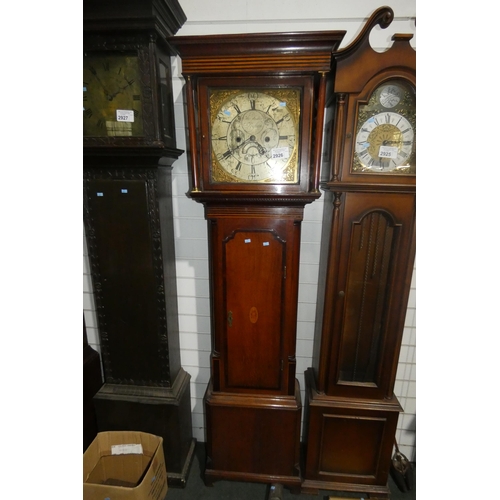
(245, 16)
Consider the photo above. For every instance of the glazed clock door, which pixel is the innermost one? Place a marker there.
(375, 247)
(385, 131)
(252, 133)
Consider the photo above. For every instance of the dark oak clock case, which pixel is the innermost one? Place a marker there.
(253, 403)
(367, 255)
(92, 382)
(129, 230)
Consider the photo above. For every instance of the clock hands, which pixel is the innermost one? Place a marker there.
(120, 90)
(96, 76)
(109, 96)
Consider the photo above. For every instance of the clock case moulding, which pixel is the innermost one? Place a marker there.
(249, 61)
(129, 229)
(253, 422)
(350, 425)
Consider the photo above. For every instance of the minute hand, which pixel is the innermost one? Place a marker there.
(94, 72)
(119, 91)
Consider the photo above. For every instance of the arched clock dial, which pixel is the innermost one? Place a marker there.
(254, 135)
(385, 142)
(385, 131)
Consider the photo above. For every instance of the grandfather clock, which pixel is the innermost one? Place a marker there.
(255, 107)
(92, 382)
(128, 150)
(367, 255)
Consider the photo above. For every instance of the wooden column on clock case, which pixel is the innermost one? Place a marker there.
(252, 403)
(129, 222)
(367, 256)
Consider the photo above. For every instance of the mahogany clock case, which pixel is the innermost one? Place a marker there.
(348, 442)
(366, 264)
(370, 249)
(360, 73)
(351, 412)
(253, 437)
(252, 404)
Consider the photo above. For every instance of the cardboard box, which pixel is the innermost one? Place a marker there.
(124, 465)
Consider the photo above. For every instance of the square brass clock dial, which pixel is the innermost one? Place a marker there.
(112, 96)
(254, 135)
(386, 131)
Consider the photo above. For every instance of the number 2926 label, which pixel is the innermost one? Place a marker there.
(280, 153)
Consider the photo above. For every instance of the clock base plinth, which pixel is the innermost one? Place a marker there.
(165, 412)
(253, 438)
(349, 442)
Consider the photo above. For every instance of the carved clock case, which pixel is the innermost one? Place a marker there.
(92, 382)
(367, 256)
(255, 107)
(128, 151)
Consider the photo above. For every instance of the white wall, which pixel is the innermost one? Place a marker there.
(240, 16)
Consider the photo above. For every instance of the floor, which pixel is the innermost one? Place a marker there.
(231, 490)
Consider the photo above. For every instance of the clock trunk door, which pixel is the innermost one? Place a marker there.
(128, 284)
(371, 296)
(254, 268)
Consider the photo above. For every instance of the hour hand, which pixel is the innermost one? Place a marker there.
(114, 94)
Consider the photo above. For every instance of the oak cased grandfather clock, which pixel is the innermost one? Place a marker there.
(367, 256)
(129, 147)
(255, 107)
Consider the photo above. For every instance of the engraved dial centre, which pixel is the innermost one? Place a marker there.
(252, 134)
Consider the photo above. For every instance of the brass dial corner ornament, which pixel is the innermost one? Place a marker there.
(386, 132)
(254, 135)
(112, 96)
